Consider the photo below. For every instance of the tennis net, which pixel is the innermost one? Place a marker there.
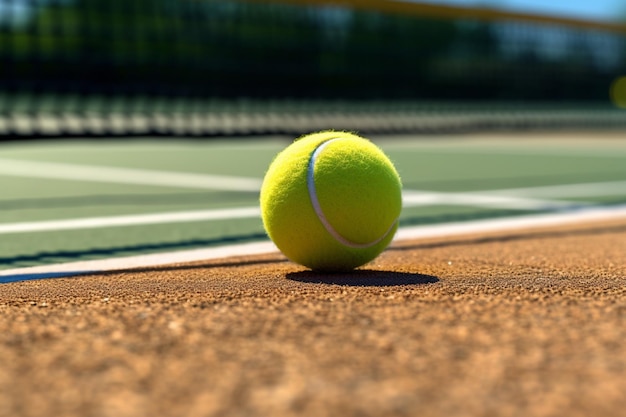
(202, 67)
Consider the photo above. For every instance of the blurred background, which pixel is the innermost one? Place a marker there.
(203, 68)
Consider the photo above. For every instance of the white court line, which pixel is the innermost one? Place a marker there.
(511, 223)
(138, 261)
(73, 172)
(487, 198)
(589, 189)
(414, 198)
(406, 233)
(144, 145)
(497, 145)
(129, 220)
(573, 153)
(411, 198)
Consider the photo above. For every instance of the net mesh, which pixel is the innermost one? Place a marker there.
(75, 67)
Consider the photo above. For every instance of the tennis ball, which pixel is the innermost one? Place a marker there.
(331, 200)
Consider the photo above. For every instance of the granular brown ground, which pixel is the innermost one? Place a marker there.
(528, 323)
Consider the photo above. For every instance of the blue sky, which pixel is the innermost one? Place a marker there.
(603, 10)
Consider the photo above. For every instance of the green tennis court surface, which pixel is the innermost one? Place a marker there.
(66, 201)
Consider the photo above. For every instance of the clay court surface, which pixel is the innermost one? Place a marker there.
(517, 323)
(485, 321)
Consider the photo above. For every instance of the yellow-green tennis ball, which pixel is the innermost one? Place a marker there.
(331, 200)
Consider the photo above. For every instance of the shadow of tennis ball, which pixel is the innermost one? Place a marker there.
(363, 278)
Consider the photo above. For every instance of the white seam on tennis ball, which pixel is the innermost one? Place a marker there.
(310, 180)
